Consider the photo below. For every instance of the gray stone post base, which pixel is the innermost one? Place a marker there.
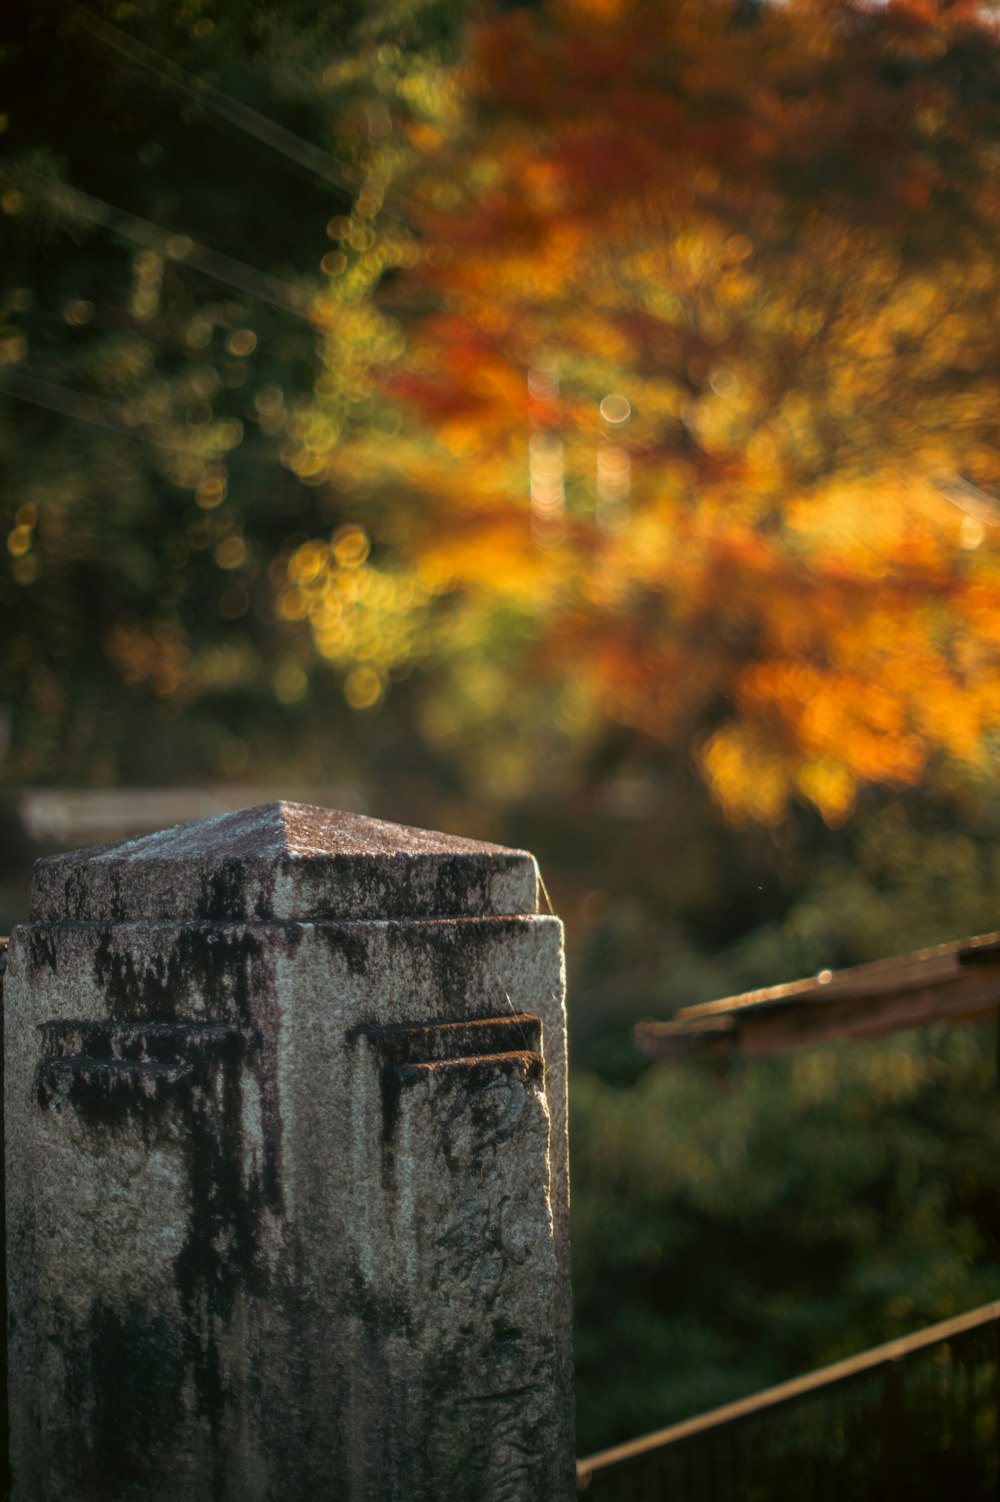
(286, 1170)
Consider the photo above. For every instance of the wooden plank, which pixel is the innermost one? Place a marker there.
(861, 1018)
(953, 983)
(927, 965)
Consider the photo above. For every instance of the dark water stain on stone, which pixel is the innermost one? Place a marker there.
(456, 881)
(76, 890)
(347, 942)
(223, 893)
(217, 1260)
(42, 949)
(455, 951)
(123, 1400)
(134, 984)
(181, 1083)
(119, 906)
(117, 1073)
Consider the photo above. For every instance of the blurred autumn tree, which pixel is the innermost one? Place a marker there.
(691, 393)
(647, 390)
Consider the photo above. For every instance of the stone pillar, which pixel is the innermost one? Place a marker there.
(287, 1183)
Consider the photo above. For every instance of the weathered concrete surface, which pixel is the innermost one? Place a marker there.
(287, 1198)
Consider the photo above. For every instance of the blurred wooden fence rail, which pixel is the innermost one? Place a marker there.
(954, 983)
(916, 1419)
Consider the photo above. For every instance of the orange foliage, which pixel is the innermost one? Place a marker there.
(772, 231)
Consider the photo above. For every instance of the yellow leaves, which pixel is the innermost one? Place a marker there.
(363, 688)
(959, 716)
(971, 532)
(20, 540)
(305, 565)
(350, 546)
(717, 422)
(365, 621)
(763, 460)
(734, 290)
(747, 777)
(873, 525)
(494, 555)
(21, 535)
(829, 787)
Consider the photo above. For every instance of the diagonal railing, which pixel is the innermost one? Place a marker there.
(915, 1420)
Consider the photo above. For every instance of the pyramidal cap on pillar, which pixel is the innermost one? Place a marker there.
(285, 861)
(287, 1178)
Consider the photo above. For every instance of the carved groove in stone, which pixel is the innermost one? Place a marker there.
(467, 1038)
(123, 1064)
